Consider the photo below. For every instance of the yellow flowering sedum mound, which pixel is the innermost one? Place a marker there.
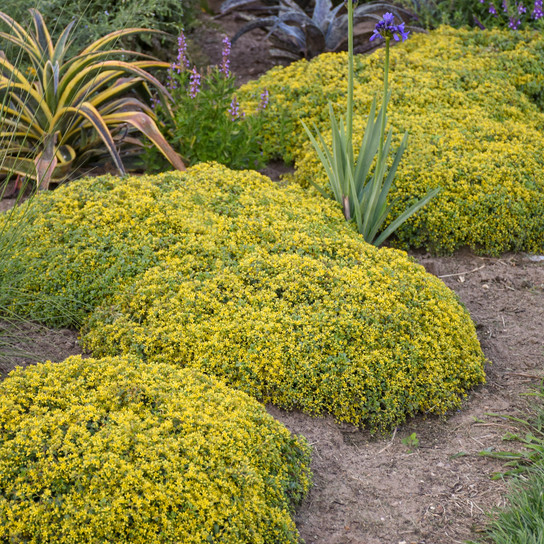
(263, 286)
(472, 103)
(115, 450)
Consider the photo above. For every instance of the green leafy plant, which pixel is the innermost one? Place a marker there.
(96, 18)
(208, 124)
(296, 34)
(522, 521)
(360, 194)
(68, 110)
(530, 435)
(411, 442)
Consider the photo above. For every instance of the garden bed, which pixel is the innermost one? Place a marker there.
(375, 490)
(369, 489)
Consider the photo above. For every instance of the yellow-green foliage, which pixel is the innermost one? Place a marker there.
(263, 286)
(472, 103)
(115, 450)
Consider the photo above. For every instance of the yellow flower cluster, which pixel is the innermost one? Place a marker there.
(264, 286)
(472, 103)
(116, 450)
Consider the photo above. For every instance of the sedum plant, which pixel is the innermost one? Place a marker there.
(296, 34)
(117, 450)
(262, 285)
(62, 111)
(360, 193)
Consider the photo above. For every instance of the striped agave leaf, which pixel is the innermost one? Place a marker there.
(55, 115)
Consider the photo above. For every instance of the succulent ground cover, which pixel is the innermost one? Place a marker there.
(472, 105)
(117, 450)
(260, 285)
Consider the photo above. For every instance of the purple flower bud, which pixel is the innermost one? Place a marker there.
(194, 83)
(154, 102)
(170, 81)
(225, 62)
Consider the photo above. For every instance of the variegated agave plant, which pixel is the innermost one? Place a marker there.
(296, 34)
(61, 111)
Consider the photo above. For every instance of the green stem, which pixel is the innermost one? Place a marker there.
(349, 112)
(384, 103)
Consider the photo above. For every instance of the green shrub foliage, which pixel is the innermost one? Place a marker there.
(115, 450)
(97, 18)
(472, 103)
(264, 286)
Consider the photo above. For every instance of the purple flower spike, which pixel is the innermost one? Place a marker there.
(386, 29)
(492, 10)
(182, 62)
(537, 11)
(521, 9)
(194, 86)
(234, 109)
(225, 62)
(388, 19)
(264, 100)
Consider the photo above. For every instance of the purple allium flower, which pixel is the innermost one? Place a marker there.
(264, 100)
(537, 11)
(225, 62)
(492, 10)
(194, 86)
(386, 29)
(182, 62)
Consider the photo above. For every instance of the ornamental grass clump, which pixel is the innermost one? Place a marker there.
(66, 109)
(116, 450)
(262, 286)
(360, 193)
(472, 104)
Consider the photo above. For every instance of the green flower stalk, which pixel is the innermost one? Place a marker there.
(362, 195)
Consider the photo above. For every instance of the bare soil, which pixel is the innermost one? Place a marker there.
(381, 490)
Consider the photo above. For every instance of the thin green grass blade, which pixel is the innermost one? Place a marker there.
(367, 151)
(392, 172)
(376, 183)
(324, 156)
